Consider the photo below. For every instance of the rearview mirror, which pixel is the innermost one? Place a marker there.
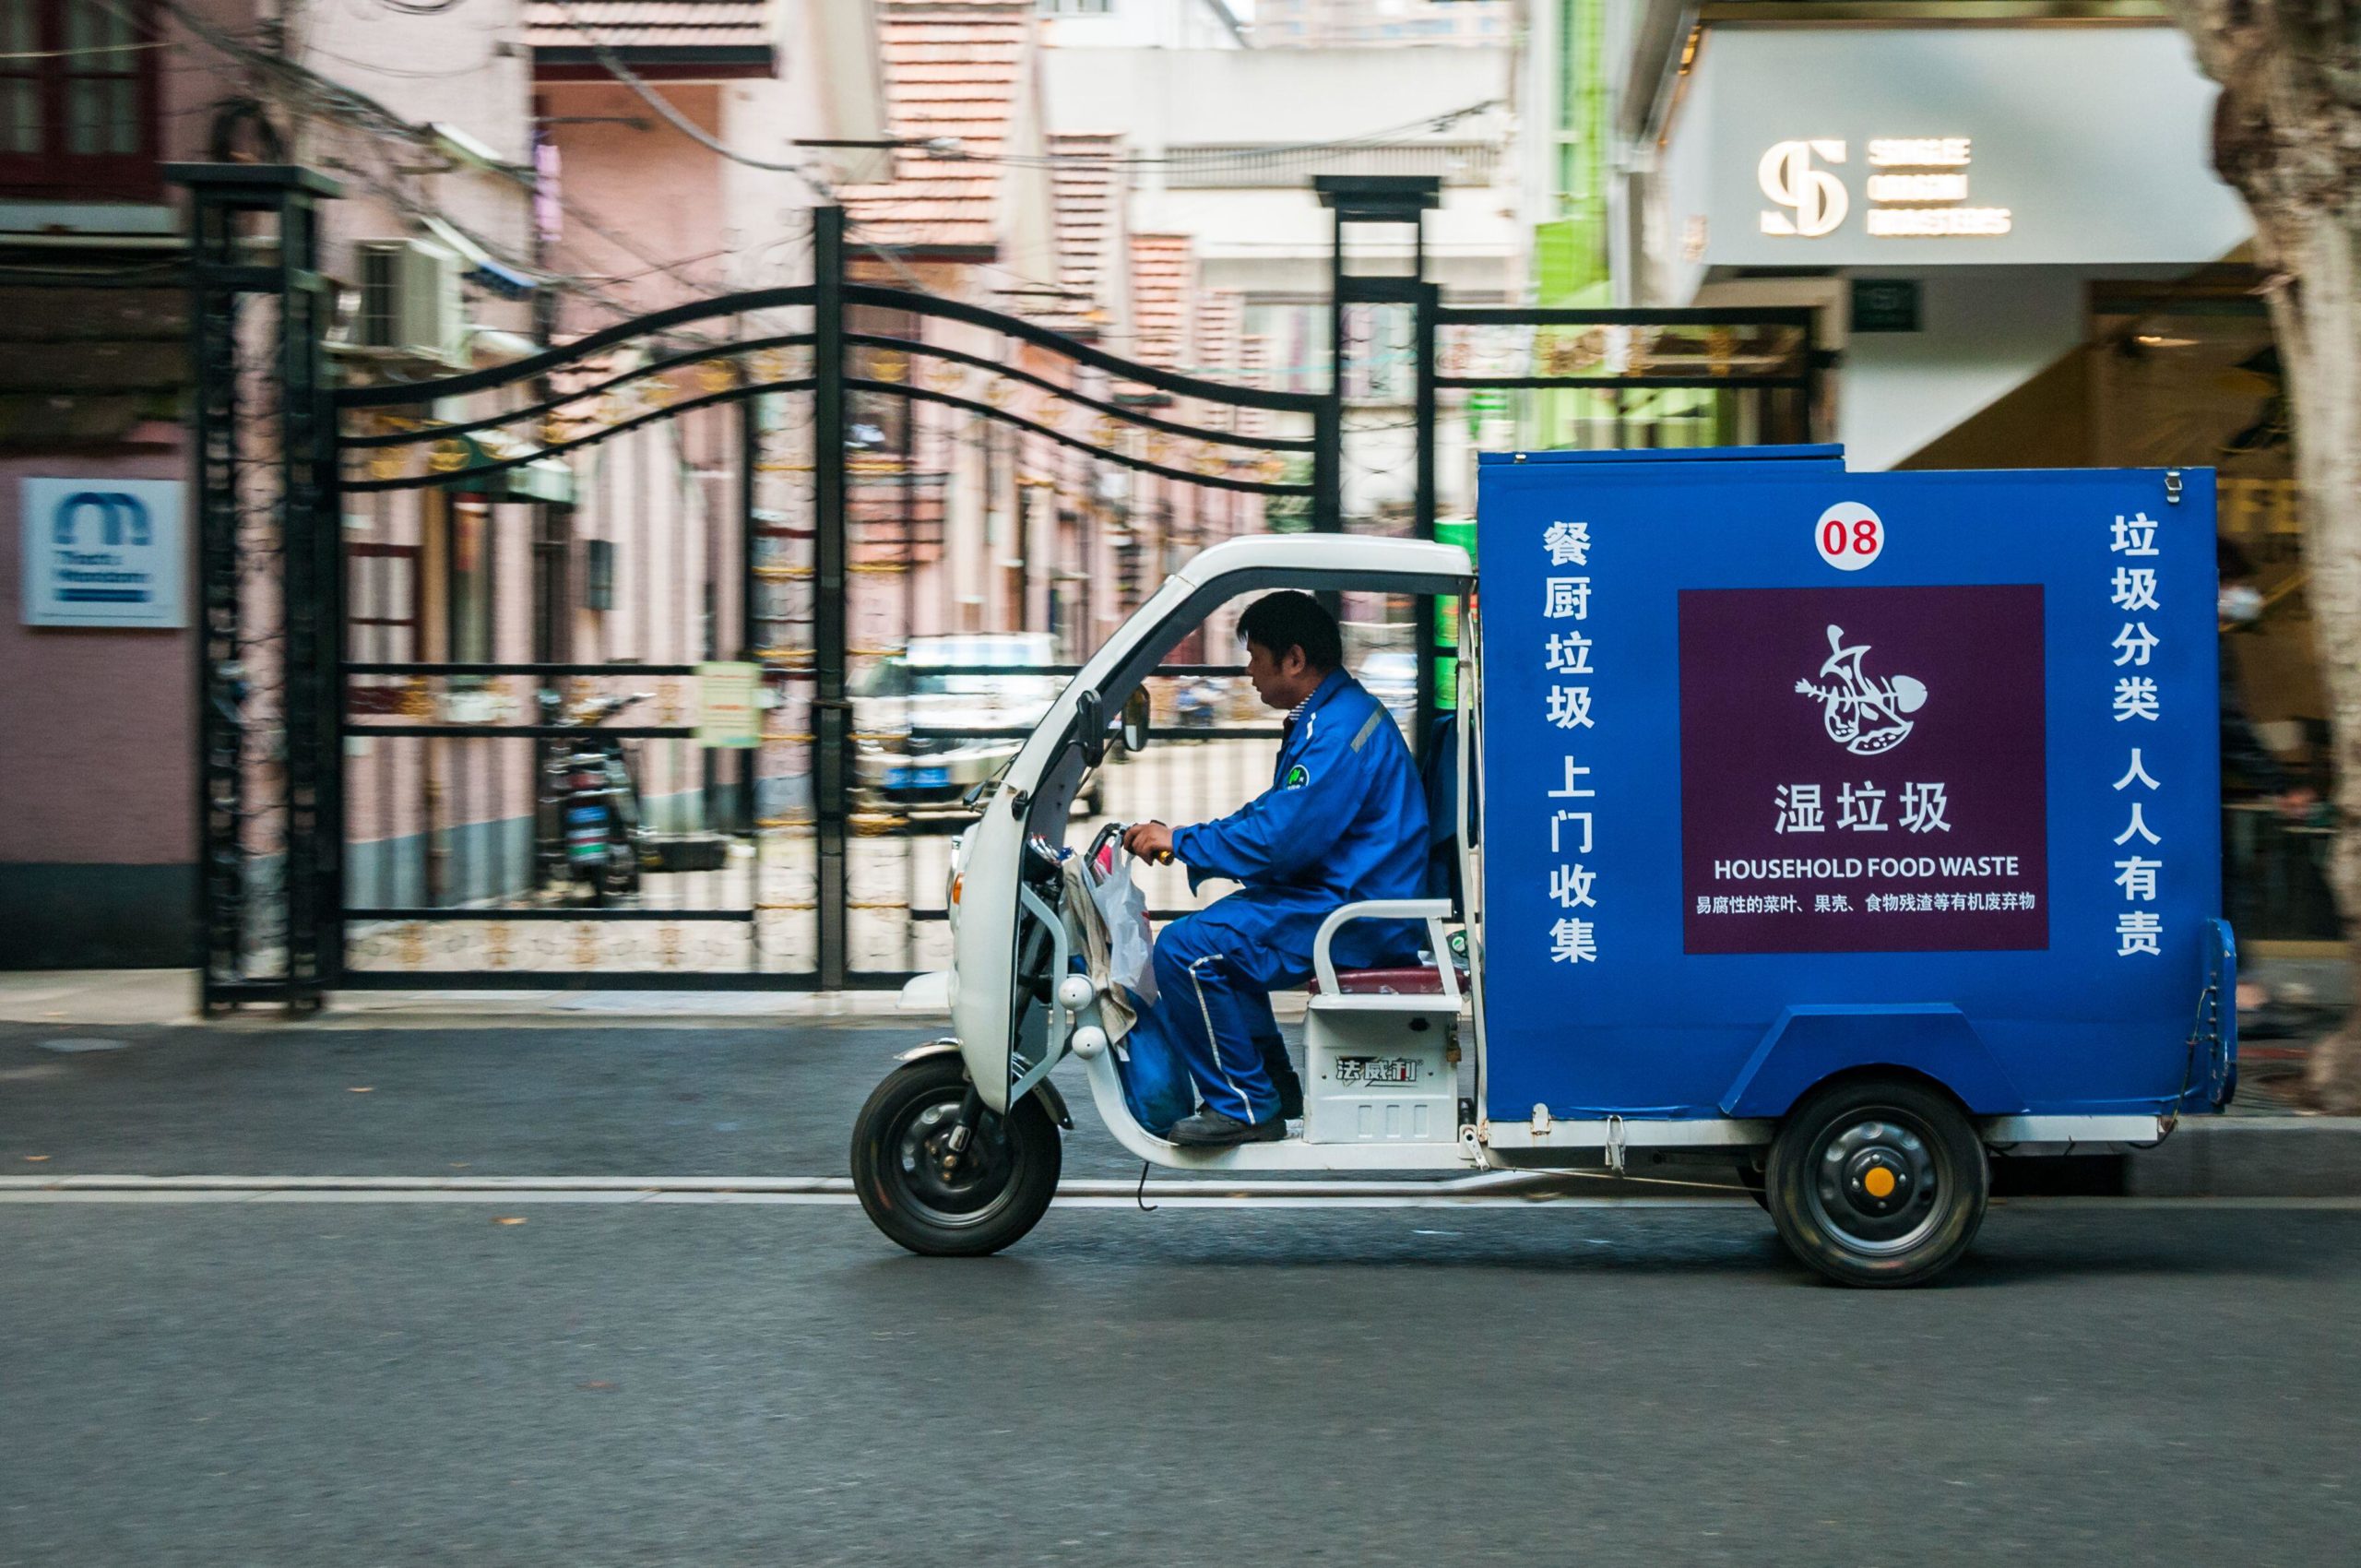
(1090, 723)
(1135, 721)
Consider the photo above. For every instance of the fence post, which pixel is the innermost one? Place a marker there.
(224, 273)
(312, 527)
(831, 712)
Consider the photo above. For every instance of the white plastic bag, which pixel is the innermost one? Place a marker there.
(1131, 941)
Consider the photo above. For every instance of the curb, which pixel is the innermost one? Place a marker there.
(2275, 1157)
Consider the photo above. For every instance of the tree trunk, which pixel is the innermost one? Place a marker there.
(2286, 136)
(2316, 319)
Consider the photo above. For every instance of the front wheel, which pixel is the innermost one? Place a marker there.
(935, 1199)
(1877, 1182)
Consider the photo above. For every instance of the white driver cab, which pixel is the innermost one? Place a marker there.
(1380, 1049)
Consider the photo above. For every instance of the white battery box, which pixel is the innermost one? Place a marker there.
(1379, 1075)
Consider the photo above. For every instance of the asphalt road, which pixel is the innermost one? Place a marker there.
(525, 1101)
(370, 1382)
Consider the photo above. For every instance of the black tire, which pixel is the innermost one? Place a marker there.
(1826, 1201)
(619, 873)
(1003, 1186)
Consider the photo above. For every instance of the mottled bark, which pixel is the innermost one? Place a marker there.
(2287, 135)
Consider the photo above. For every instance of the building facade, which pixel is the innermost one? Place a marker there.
(457, 243)
(2019, 256)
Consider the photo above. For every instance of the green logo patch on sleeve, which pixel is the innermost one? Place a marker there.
(1298, 777)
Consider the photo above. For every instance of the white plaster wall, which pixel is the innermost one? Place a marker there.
(1200, 96)
(1147, 24)
(1275, 239)
(1984, 333)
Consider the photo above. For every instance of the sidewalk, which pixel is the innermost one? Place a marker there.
(126, 998)
(114, 1072)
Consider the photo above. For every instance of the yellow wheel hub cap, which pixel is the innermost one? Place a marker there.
(1878, 1180)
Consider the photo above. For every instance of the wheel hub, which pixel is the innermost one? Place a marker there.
(1876, 1183)
(948, 1166)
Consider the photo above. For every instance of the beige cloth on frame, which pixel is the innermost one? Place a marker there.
(1087, 929)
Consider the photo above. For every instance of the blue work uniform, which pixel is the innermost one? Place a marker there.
(1345, 820)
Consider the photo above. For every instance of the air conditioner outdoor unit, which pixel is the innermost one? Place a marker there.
(409, 299)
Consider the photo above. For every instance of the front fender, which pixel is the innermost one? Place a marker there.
(1051, 1100)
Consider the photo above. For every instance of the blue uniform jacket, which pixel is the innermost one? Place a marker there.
(1345, 819)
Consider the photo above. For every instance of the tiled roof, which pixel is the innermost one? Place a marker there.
(631, 25)
(1087, 187)
(1163, 278)
(954, 69)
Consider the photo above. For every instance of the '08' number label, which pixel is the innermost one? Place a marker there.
(1849, 536)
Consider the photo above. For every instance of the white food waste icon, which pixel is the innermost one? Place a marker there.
(1863, 714)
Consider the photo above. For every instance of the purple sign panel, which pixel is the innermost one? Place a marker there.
(1861, 769)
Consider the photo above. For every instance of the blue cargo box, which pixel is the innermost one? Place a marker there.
(1788, 770)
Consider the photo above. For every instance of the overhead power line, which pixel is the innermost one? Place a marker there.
(332, 100)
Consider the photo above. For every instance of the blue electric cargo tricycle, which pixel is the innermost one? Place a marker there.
(1836, 829)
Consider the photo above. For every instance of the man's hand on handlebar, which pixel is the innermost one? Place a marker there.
(1151, 842)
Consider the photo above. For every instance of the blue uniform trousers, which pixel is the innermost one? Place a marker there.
(1211, 1027)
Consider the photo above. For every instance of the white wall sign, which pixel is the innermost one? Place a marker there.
(1932, 146)
(1927, 201)
(104, 553)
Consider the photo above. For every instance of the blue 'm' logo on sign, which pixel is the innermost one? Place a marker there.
(122, 519)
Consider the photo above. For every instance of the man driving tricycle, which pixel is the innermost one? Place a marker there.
(1343, 820)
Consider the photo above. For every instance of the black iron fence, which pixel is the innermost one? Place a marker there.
(725, 583)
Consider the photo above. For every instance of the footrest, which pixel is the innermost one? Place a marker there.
(687, 851)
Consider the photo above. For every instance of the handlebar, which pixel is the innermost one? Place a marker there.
(1116, 830)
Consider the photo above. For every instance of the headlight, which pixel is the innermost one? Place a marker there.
(955, 883)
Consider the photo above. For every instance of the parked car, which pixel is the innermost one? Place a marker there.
(960, 682)
(1392, 677)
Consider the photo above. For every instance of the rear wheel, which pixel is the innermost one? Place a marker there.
(619, 873)
(938, 1199)
(1877, 1182)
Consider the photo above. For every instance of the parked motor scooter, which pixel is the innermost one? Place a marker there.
(590, 803)
(1197, 704)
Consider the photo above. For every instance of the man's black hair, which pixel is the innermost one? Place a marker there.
(1290, 618)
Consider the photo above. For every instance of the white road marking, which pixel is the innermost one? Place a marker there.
(1489, 1190)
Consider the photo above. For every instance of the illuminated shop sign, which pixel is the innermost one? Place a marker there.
(1917, 190)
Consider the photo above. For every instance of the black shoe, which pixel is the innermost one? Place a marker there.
(1211, 1129)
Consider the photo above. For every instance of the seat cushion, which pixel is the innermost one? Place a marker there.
(1417, 981)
